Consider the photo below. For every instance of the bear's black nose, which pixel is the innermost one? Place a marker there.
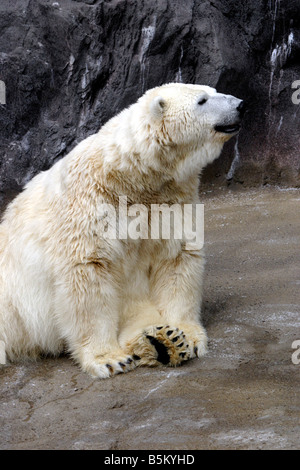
(241, 108)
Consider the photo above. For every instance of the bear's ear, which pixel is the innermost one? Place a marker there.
(157, 106)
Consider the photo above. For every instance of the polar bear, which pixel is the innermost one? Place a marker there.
(113, 304)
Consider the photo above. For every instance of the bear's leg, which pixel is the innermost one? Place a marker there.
(176, 291)
(87, 314)
(170, 331)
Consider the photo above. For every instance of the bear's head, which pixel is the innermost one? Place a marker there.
(187, 125)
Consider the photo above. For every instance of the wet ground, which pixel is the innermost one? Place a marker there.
(243, 395)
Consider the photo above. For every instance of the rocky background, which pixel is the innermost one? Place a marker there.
(70, 65)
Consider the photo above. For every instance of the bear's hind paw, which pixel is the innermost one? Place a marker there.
(160, 345)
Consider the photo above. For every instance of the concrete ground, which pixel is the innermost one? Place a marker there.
(243, 395)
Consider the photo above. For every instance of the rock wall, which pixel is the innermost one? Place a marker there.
(70, 65)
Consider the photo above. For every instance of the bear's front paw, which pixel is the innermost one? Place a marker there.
(160, 345)
(107, 365)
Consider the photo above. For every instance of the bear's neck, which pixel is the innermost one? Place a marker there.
(145, 190)
(144, 185)
(145, 172)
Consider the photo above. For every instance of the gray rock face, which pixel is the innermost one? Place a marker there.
(69, 66)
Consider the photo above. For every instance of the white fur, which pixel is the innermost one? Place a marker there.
(62, 284)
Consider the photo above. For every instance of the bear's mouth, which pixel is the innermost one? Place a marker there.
(228, 129)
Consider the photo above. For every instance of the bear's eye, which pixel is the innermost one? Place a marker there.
(203, 101)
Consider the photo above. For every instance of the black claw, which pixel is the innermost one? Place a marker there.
(175, 339)
(159, 327)
(182, 354)
(109, 367)
(196, 350)
(179, 345)
(121, 364)
(129, 361)
(136, 358)
(169, 332)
